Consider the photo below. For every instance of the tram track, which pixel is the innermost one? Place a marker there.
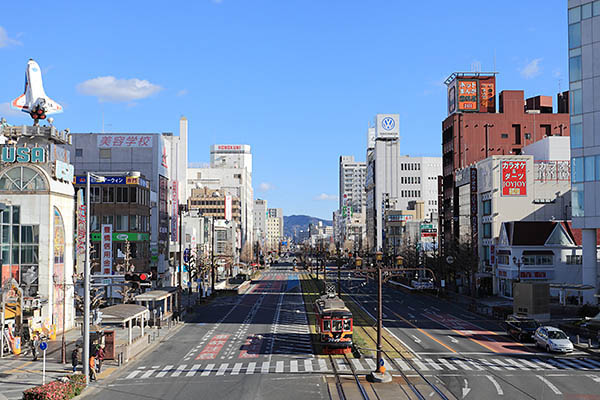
(341, 392)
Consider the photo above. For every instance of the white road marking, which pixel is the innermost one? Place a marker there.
(250, 368)
(148, 373)
(503, 364)
(236, 369)
(279, 367)
(207, 370)
(595, 378)
(531, 364)
(193, 371)
(265, 367)
(133, 374)
(322, 365)
(462, 365)
(341, 365)
(452, 339)
(164, 371)
(594, 362)
(584, 364)
(294, 366)
(543, 363)
(420, 365)
(496, 385)
(550, 385)
(222, 369)
(447, 364)
(433, 364)
(179, 370)
(308, 365)
(416, 339)
(476, 365)
(371, 364)
(402, 364)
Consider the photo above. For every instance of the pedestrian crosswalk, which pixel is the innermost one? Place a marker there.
(364, 365)
(291, 334)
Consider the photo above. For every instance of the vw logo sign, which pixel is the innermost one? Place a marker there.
(388, 123)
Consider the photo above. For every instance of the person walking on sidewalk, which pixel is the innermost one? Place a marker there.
(93, 375)
(34, 347)
(100, 356)
(74, 360)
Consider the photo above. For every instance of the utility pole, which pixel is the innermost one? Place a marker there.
(379, 375)
(339, 273)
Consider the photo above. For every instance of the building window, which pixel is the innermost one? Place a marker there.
(574, 260)
(122, 222)
(108, 220)
(503, 259)
(577, 169)
(577, 199)
(486, 255)
(596, 10)
(590, 168)
(517, 130)
(576, 136)
(586, 11)
(135, 222)
(547, 129)
(504, 135)
(108, 194)
(576, 106)
(95, 194)
(528, 136)
(574, 15)
(22, 179)
(78, 152)
(133, 195)
(105, 153)
(575, 69)
(598, 167)
(487, 207)
(574, 35)
(122, 195)
(487, 230)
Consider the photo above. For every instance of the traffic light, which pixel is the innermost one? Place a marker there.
(141, 278)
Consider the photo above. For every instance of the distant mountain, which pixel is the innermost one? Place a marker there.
(296, 226)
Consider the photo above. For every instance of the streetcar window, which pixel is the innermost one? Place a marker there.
(337, 325)
(347, 325)
(326, 325)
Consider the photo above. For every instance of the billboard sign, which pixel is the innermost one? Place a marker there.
(487, 96)
(124, 141)
(452, 97)
(467, 92)
(174, 211)
(106, 249)
(387, 126)
(474, 205)
(228, 210)
(81, 230)
(514, 178)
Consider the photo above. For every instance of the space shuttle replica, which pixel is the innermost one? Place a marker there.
(34, 100)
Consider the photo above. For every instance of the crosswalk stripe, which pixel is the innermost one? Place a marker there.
(516, 364)
(147, 374)
(308, 365)
(475, 364)
(341, 365)
(388, 365)
(558, 363)
(447, 364)
(134, 374)
(371, 363)
(179, 370)
(207, 370)
(594, 362)
(294, 366)
(193, 371)
(582, 363)
(462, 365)
(265, 368)
(490, 364)
(164, 371)
(236, 369)
(402, 364)
(279, 367)
(357, 365)
(543, 363)
(433, 364)
(222, 369)
(250, 369)
(571, 364)
(322, 365)
(531, 364)
(503, 364)
(420, 365)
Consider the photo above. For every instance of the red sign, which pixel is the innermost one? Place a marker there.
(467, 93)
(533, 274)
(229, 147)
(514, 178)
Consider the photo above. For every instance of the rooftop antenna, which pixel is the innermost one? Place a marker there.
(559, 85)
(494, 60)
(475, 66)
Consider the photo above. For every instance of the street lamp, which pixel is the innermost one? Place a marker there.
(378, 259)
(518, 262)
(86, 278)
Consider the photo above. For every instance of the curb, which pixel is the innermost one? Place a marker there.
(587, 350)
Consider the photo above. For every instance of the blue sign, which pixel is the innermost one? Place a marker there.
(381, 362)
(108, 180)
(388, 123)
(43, 346)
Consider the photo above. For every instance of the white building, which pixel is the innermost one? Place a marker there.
(260, 221)
(352, 195)
(230, 172)
(274, 228)
(418, 182)
(585, 135)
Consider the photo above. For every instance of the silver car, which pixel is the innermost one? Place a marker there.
(552, 339)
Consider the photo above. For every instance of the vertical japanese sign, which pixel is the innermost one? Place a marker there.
(474, 207)
(487, 96)
(106, 256)
(81, 228)
(228, 206)
(514, 178)
(174, 211)
(467, 95)
(58, 275)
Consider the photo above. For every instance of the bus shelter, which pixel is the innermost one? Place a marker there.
(161, 303)
(126, 315)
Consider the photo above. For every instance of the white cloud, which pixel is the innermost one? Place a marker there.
(326, 197)
(109, 88)
(6, 111)
(5, 41)
(532, 69)
(265, 186)
(182, 92)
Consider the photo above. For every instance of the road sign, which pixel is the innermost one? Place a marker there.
(426, 226)
(43, 346)
(449, 259)
(381, 362)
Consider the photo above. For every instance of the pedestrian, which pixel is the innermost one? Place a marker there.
(93, 375)
(74, 360)
(100, 356)
(34, 347)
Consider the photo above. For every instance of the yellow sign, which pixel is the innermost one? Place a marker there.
(132, 180)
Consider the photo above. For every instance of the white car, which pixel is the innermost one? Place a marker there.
(552, 339)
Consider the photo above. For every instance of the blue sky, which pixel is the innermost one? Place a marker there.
(297, 80)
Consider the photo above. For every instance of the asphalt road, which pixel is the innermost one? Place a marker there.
(253, 346)
(471, 356)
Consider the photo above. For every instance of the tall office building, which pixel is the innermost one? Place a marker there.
(274, 224)
(584, 78)
(260, 221)
(382, 175)
(352, 195)
(418, 182)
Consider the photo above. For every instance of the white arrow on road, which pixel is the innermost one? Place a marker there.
(452, 339)
(466, 389)
(416, 339)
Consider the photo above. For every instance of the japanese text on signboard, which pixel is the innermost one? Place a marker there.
(107, 141)
(106, 250)
(174, 211)
(514, 178)
(467, 94)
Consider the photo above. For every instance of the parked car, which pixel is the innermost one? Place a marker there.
(552, 339)
(521, 328)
